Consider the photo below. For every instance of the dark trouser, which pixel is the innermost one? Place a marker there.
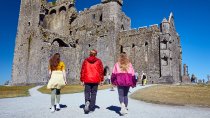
(123, 94)
(90, 94)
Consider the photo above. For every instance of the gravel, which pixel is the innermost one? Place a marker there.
(38, 106)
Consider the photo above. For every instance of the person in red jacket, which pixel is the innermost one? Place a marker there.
(92, 74)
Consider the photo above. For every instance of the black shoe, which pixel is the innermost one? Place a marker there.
(86, 112)
(112, 90)
(91, 110)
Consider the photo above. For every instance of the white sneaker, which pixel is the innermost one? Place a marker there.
(126, 110)
(123, 109)
(52, 109)
(86, 109)
(58, 107)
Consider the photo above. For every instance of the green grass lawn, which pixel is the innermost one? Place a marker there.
(195, 95)
(71, 89)
(14, 91)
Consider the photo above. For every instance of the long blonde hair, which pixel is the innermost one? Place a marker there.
(123, 61)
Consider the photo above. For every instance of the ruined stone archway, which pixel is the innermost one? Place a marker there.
(63, 8)
(53, 11)
(60, 42)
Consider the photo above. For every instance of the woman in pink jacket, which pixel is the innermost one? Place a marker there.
(123, 78)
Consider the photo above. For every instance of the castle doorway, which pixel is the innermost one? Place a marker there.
(106, 71)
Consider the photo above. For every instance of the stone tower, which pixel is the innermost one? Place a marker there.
(154, 50)
(185, 77)
(27, 38)
(46, 28)
(170, 51)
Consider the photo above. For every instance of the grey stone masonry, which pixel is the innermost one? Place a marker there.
(45, 28)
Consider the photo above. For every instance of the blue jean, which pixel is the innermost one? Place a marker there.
(123, 94)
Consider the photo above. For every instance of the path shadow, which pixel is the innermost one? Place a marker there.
(86, 112)
(83, 106)
(115, 108)
(63, 106)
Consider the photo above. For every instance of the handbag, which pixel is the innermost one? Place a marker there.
(56, 80)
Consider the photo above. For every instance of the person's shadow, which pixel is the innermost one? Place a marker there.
(114, 108)
(61, 106)
(83, 106)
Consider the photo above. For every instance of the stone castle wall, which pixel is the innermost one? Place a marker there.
(142, 45)
(46, 28)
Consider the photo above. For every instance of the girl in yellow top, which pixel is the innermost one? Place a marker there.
(57, 79)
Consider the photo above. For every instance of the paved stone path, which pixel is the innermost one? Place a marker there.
(37, 106)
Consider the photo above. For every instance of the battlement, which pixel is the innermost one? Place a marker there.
(142, 28)
(134, 31)
(154, 27)
(139, 31)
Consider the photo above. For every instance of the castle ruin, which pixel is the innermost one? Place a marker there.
(45, 28)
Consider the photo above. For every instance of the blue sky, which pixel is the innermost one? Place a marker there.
(192, 21)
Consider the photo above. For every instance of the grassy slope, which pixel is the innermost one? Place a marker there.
(14, 91)
(198, 95)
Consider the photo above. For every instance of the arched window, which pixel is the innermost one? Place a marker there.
(101, 17)
(77, 41)
(122, 27)
(146, 51)
(163, 44)
(53, 11)
(71, 5)
(164, 41)
(46, 11)
(121, 49)
(133, 45)
(63, 8)
(164, 61)
(41, 17)
(60, 42)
